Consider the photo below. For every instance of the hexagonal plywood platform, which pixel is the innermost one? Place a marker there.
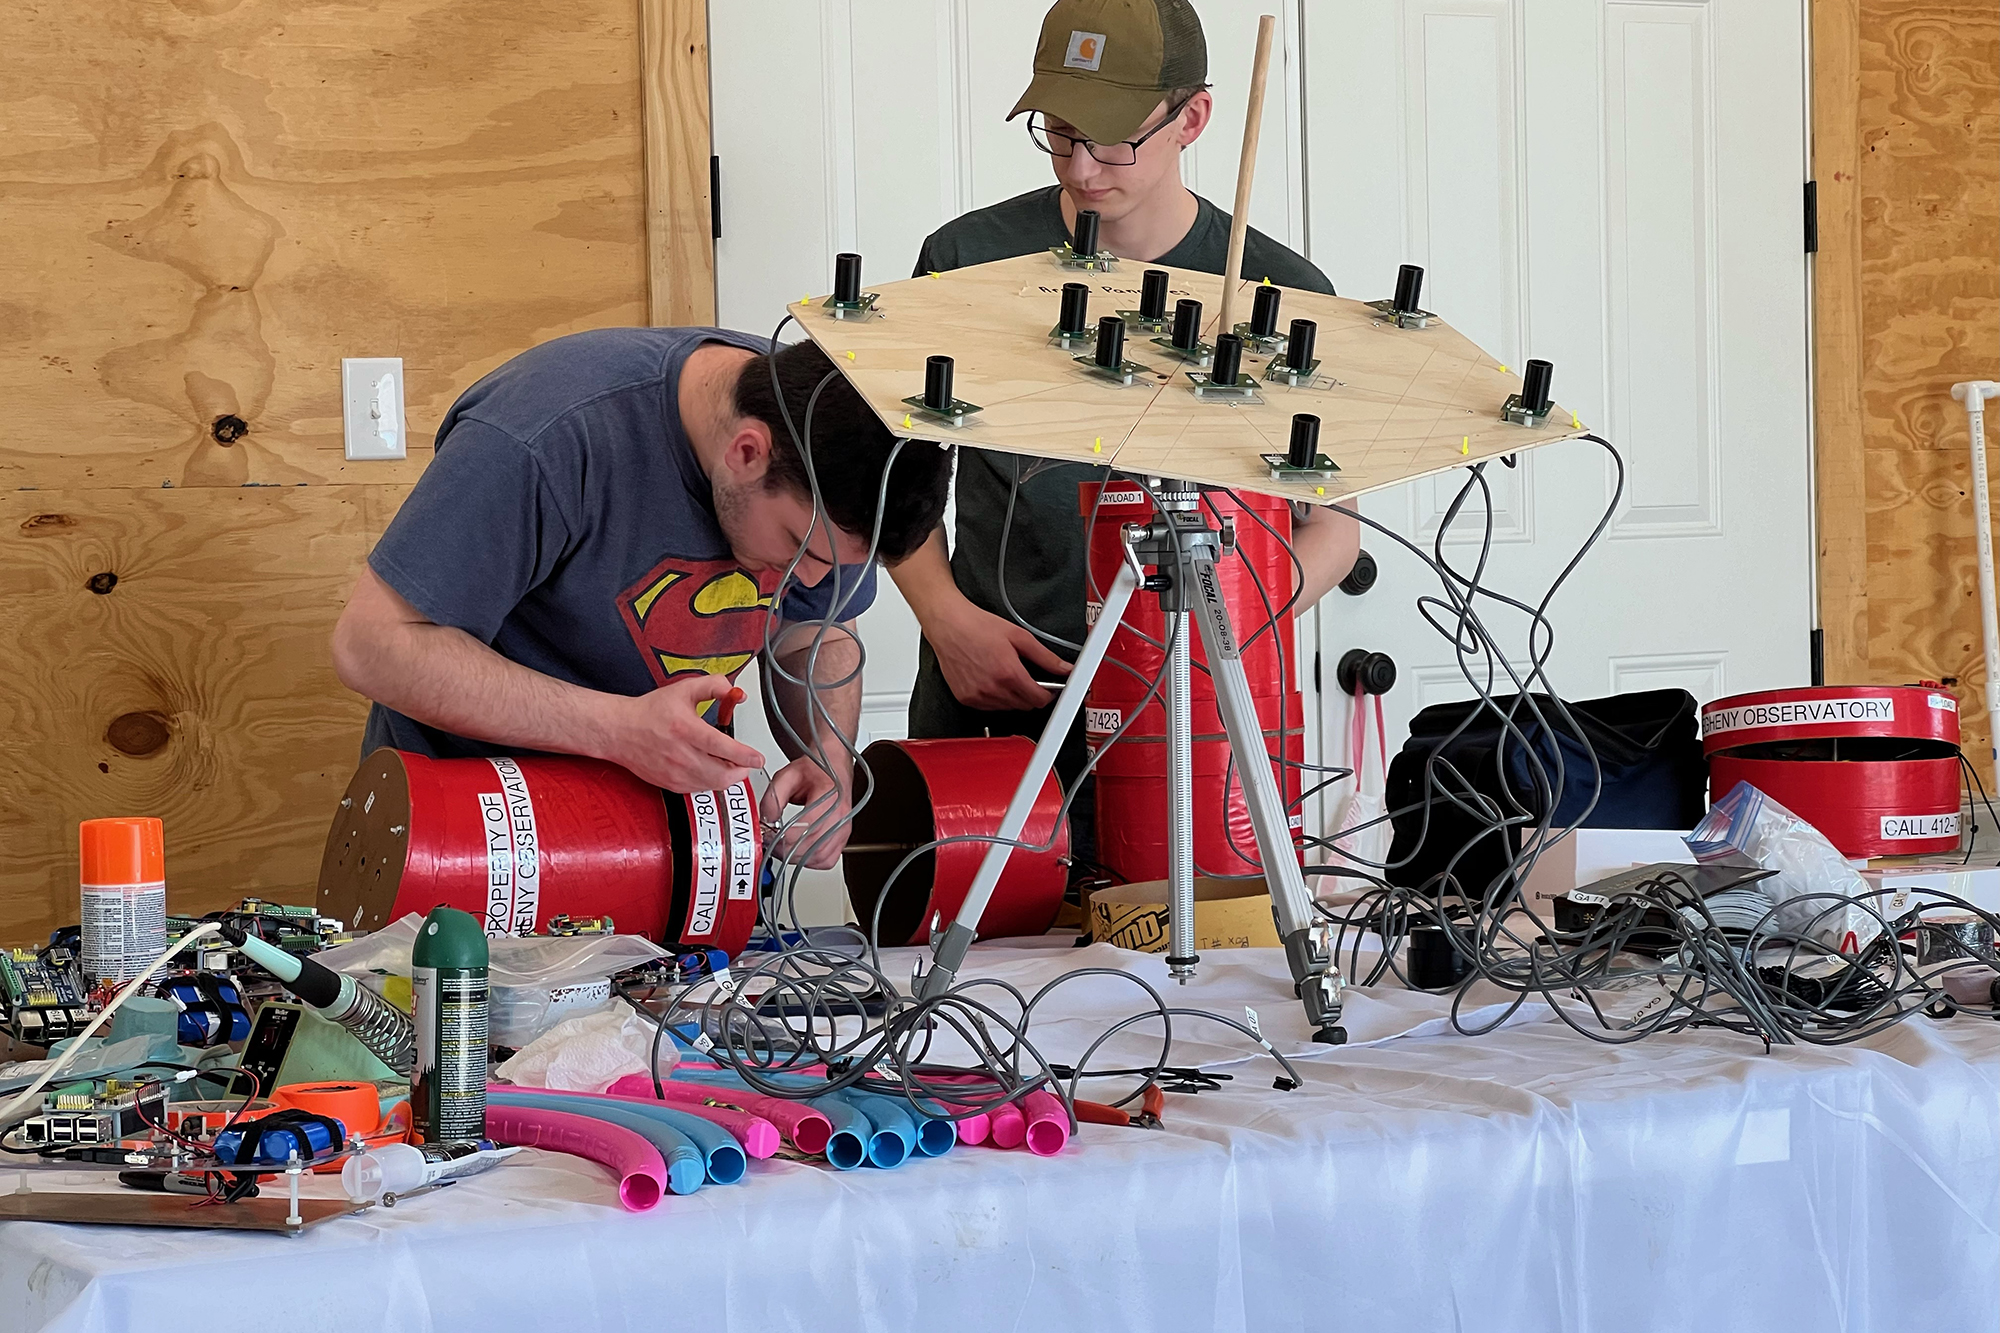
(1393, 403)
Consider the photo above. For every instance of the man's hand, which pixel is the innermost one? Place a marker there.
(985, 660)
(662, 738)
(804, 783)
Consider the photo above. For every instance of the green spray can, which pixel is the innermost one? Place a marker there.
(448, 992)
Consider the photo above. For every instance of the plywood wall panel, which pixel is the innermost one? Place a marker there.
(1929, 189)
(207, 203)
(168, 656)
(217, 201)
(1906, 149)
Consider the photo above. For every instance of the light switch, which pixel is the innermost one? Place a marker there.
(371, 395)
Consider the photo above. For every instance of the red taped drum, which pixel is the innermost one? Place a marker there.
(1873, 767)
(953, 789)
(517, 841)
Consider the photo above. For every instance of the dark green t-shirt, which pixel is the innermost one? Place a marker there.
(1046, 547)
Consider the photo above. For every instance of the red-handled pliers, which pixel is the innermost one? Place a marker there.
(1151, 1103)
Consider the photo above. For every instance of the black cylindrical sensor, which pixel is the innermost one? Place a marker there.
(1304, 451)
(1264, 311)
(1086, 232)
(1535, 385)
(1299, 346)
(1187, 324)
(1228, 359)
(1409, 288)
(937, 384)
(1075, 307)
(847, 278)
(1153, 294)
(1110, 342)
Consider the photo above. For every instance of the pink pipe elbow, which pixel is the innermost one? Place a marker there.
(1047, 1127)
(974, 1128)
(641, 1171)
(1007, 1125)
(808, 1129)
(758, 1136)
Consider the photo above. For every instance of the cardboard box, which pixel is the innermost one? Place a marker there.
(1591, 854)
(1978, 885)
(1228, 914)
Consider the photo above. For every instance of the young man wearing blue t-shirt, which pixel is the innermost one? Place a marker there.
(601, 544)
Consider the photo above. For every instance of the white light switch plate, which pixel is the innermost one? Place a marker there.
(371, 407)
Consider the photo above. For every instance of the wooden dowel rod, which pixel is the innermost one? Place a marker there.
(1246, 171)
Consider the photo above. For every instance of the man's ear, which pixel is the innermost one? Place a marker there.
(1195, 116)
(747, 457)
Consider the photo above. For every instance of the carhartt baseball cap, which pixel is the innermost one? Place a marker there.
(1103, 65)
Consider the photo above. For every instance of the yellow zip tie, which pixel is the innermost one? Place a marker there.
(1505, 371)
(1267, 280)
(850, 356)
(1319, 490)
(1098, 448)
(1574, 423)
(906, 421)
(934, 273)
(807, 299)
(1464, 445)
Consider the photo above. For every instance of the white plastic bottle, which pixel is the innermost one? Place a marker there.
(398, 1168)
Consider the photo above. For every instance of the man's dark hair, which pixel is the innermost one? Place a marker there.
(850, 447)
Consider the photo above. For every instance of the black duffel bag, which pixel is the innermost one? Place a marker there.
(1649, 765)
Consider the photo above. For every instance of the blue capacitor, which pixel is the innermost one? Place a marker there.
(274, 1144)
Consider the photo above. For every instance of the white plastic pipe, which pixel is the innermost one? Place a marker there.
(1974, 393)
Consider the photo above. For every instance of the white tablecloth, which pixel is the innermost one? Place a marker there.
(1524, 1180)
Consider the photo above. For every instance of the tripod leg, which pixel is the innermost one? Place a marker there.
(1308, 944)
(1181, 956)
(949, 953)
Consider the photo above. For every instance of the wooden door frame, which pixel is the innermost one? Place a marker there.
(680, 228)
(1840, 458)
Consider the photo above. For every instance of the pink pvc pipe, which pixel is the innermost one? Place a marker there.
(1009, 1128)
(808, 1129)
(1048, 1123)
(1004, 1126)
(641, 1171)
(974, 1129)
(758, 1136)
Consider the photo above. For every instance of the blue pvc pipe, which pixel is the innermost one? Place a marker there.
(937, 1132)
(895, 1131)
(722, 1155)
(848, 1148)
(725, 1156)
(685, 1168)
(928, 1131)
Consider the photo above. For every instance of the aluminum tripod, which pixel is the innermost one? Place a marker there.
(1182, 549)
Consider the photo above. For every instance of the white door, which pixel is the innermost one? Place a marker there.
(1612, 186)
(1615, 187)
(865, 125)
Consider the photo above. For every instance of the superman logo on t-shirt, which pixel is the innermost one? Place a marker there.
(696, 616)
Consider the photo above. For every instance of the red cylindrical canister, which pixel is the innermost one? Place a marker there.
(1260, 570)
(517, 841)
(949, 789)
(1875, 768)
(1132, 827)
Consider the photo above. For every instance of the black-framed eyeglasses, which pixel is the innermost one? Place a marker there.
(1059, 143)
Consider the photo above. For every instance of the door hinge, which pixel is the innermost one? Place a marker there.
(714, 198)
(1316, 678)
(1812, 217)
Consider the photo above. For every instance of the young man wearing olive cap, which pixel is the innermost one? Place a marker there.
(1120, 88)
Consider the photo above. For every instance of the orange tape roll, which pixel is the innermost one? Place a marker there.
(357, 1106)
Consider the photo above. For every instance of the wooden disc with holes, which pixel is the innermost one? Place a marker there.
(368, 844)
